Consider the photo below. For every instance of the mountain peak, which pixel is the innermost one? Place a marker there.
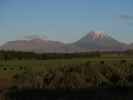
(96, 35)
(99, 41)
(38, 40)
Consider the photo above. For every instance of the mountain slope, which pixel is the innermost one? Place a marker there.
(40, 46)
(130, 46)
(35, 45)
(99, 41)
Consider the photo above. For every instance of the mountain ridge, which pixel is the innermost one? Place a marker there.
(93, 41)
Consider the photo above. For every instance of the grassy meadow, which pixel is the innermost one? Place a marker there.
(106, 70)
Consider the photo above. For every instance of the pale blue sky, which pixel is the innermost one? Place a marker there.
(65, 20)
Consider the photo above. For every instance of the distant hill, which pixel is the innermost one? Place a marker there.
(35, 45)
(38, 45)
(130, 46)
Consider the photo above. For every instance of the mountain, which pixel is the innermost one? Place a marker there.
(35, 45)
(99, 41)
(130, 46)
(39, 45)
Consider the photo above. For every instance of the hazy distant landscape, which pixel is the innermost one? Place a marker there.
(66, 49)
(93, 41)
(96, 61)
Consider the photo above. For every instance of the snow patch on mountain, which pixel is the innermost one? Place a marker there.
(97, 35)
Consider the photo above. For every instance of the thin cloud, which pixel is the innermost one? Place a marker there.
(126, 17)
(35, 37)
(130, 24)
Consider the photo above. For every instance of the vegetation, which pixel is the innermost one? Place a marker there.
(10, 55)
(82, 70)
(98, 70)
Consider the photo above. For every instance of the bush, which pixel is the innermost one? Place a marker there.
(4, 69)
(102, 62)
(123, 61)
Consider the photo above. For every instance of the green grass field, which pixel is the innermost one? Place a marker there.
(102, 68)
(14, 66)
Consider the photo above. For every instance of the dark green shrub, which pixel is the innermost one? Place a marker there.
(21, 68)
(102, 62)
(114, 78)
(123, 61)
(5, 69)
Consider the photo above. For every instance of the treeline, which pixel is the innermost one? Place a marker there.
(20, 55)
(10, 55)
(126, 52)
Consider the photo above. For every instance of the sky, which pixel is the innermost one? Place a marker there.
(65, 20)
